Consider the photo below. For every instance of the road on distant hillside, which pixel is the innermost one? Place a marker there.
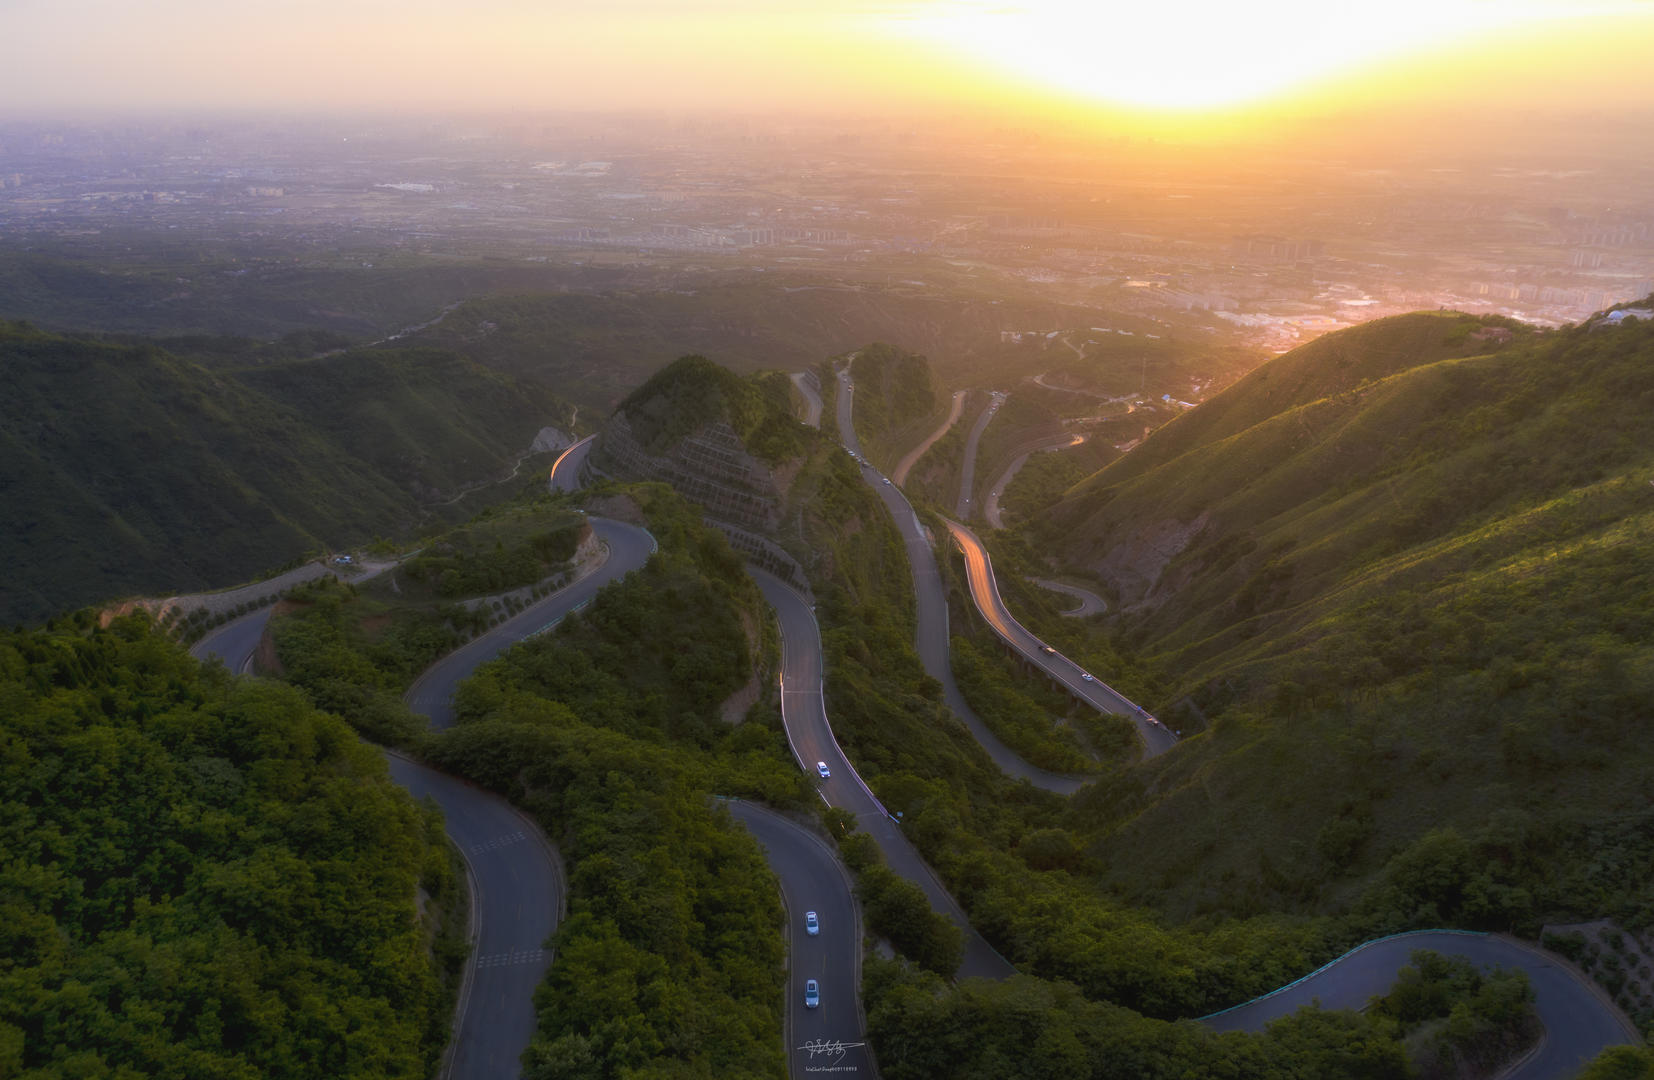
(432, 693)
(985, 591)
(990, 502)
(565, 471)
(1579, 1022)
(516, 880)
(911, 458)
(813, 879)
(804, 714)
(812, 400)
(1090, 602)
(932, 610)
(967, 467)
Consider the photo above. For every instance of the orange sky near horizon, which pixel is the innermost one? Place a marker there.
(1182, 64)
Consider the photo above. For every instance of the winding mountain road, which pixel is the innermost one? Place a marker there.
(990, 502)
(804, 713)
(1579, 1023)
(932, 608)
(565, 471)
(1090, 602)
(517, 891)
(979, 571)
(967, 467)
(812, 400)
(235, 642)
(911, 458)
(432, 693)
(813, 879)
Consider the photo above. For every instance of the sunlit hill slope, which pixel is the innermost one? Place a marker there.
(1406, 576)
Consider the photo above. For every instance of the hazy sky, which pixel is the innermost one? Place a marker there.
(1179, 55)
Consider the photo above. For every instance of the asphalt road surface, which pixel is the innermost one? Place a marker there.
(432, 694)
(805, 715)
(813, 879)
(967, 466)
(516, 902)
(932, 607)
(565, 471)
(990, 501)
(898, 475)
(1090, 602)
(812, 400)
(1157, 739)
(1579, 1023)
(235, 641)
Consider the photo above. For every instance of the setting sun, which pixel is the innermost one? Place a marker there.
(1197, 54)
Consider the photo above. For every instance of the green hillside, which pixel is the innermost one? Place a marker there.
(1410, 595)
(207, 876)
(127, 469)
(897, 402)
(1332, 366)
(693, 392)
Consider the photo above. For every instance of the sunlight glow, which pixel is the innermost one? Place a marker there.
(1195, 54)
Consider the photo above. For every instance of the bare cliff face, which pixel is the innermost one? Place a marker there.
(1136, 566)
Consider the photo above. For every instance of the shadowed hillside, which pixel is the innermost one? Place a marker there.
(1410, 591)
(126, 468)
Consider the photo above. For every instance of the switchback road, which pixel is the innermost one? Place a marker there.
(804, 714)
(990, 501)
(517, 890)
(1090, 602)
(911, 458)
(932, 609)
(1579, 1023)
(813, 879)
(985, 591)
(432, 694)
(812, 400)
(967, 467)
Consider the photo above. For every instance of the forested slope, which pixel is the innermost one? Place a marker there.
(124, 468)
(1416, 616)
(204, 876)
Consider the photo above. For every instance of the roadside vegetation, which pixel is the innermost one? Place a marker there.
(934, 478)
(1406, 616)
(1442, 1021)
(608, 730)
(207, 876)
(1019, 421)
(897, 402)
(357, 648)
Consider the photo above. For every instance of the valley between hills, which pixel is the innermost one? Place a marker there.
(1346, 773)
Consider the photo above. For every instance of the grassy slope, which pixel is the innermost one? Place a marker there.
(897, 402)
(934, 478)
(126, 468)
(1019, 421)
(693, 391)
(1418, 602)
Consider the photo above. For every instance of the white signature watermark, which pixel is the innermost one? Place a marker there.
(833, 1050)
